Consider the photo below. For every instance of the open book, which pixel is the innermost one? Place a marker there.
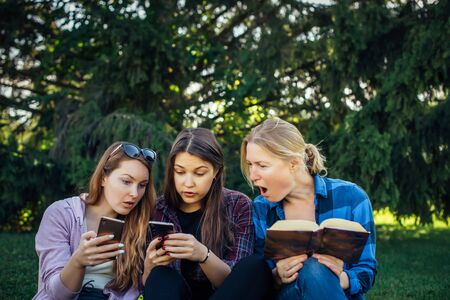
(341, 238)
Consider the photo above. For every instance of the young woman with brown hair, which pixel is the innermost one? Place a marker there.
(213, 224)
(72, 263)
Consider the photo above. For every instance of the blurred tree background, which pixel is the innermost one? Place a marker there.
(366, 80)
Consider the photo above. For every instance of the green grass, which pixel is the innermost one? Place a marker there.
(19, 272)
(414, 263)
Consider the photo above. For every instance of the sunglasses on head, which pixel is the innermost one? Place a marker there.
(134, 151)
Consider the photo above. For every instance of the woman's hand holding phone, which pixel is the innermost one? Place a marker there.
(185, 246)
(155, 256)
(90, 252)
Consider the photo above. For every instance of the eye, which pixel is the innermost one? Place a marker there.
(143, 185)
(200, 174)
(179, 172)
(126, 181)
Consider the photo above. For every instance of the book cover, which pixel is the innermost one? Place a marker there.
(287, 240)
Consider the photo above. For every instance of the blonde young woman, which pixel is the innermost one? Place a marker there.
(276, 159)
(72, 263)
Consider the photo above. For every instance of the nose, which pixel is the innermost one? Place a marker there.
(253, 174)
(189, 181)
(134, 191)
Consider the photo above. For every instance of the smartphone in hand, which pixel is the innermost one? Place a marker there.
(159, 229)
(110, 226)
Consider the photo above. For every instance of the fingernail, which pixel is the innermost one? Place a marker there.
(163, 247)
(160, 239)
(120, 245)
(111, 236)
(121, 251)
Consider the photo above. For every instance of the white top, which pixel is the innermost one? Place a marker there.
(99, 275)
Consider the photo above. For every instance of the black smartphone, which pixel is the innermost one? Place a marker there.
(159, 229)
(110, 226)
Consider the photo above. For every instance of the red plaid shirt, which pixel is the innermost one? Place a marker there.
(239, 211)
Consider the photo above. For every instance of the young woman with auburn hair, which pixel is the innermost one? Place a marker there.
(72, 263)
(213, 224)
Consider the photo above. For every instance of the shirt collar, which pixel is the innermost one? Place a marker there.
(320, 187)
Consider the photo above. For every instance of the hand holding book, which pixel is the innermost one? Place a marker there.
(340, 238)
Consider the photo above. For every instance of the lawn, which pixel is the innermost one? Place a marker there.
(414, 263)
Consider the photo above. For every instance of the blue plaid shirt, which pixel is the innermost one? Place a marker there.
(334, 198)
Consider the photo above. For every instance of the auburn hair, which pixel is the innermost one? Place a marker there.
(128, 266)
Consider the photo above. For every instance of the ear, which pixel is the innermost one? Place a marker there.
(294, 163)
(103, 181)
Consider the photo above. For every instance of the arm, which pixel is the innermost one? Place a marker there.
(62, 272)
(154, 257)
(259, 216)
(216, 269)
(362, 275)
(243, 232)
(356, 278)
(186, 246)
(88, 253)
(53, 250)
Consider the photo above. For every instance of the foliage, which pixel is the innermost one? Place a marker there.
(30, 182)
(368, 80)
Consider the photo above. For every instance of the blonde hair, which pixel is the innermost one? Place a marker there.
(285, 141)
(128, 266)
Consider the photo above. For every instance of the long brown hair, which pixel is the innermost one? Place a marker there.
(130, 265)
(215, 223)
(285, 141)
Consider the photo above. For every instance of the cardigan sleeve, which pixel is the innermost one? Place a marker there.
(53, 249)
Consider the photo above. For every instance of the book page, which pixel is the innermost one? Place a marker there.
(342, 224)
(299, 225)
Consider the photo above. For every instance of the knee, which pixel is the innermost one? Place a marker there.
(163, 274)
(313, 273)
(165, 283)
(252, 263)
(253, 266)
(160, 271)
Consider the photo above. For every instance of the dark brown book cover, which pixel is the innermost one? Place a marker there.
(344, 244)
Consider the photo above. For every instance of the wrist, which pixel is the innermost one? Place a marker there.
(206, 256)
(344, 280)
(77, 263)
(277, 279)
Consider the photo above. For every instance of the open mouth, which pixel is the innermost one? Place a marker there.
(263, 190)
(128, 204)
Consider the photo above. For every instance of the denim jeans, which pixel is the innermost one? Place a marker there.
(314, 281)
